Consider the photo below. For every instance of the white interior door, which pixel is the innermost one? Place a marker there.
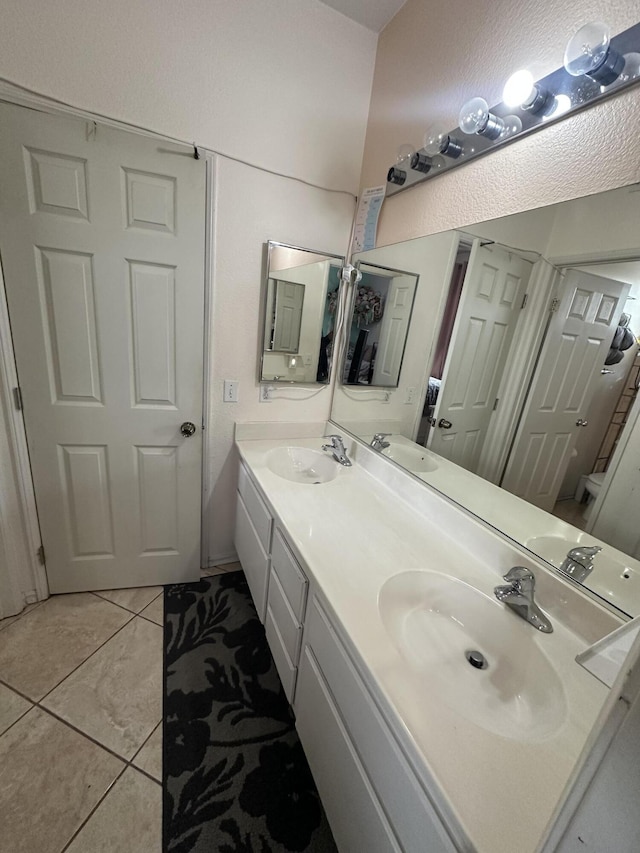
(393, 329)
(102, 246)
(289, 302)
(492, 295)
(577, 343)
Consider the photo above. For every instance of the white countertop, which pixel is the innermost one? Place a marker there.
(357, 531)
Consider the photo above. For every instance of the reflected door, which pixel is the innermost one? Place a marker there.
(492, 296)
(393, 330)
(577, 343)
(102, 244)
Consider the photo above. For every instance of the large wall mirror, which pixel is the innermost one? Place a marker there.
(518, 391)
(299, 306)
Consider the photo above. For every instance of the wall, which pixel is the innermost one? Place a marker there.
(228, 75)
(431, 59)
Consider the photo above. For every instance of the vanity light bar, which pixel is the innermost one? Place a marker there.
(595, 67)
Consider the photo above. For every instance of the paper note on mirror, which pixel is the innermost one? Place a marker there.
(364, 235)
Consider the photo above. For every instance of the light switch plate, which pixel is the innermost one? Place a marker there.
(231, 390)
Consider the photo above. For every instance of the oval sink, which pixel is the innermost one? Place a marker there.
(302, 465)
(412, 458)
(436, 621)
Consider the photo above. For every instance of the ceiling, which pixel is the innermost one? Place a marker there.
(373, 14)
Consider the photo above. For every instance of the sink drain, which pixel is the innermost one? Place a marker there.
(476, 659)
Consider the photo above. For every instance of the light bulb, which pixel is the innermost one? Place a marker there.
(437, 140)
(520, 90)
(475, 117)
(512, 126)
(589, 52)
(404, 155)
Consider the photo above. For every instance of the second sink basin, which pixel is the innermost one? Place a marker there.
(302, 465)
(441, 626)
(412, 458)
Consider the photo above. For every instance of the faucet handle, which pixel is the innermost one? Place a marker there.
(518, 574)
(380, 435)
(332, 437)
(583, 551)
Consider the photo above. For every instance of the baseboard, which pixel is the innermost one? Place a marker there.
(221, 559)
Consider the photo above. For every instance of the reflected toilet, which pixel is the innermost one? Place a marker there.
(591, 484)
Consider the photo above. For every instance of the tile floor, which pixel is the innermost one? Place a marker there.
(572, 512)
(81, 723)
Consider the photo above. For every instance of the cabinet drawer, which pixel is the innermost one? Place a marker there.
(354, 812)
(284, 617)
(412, 815)
(256, 507)
(292, 578)
(253, 558)
(286, 670)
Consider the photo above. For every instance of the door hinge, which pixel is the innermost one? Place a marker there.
(524, 300)
(41, 555)
(555, 304)
(495, 405)
(17, 398)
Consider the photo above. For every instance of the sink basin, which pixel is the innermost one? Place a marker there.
(302, 465)
(435, 621)
(412, 458)
(612, 579)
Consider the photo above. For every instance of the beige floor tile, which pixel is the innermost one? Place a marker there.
(128, 819)
(149, 758)
(155, 610)
(132, 599)
(50, 779)
(43, 647)
(12, 707)
(116, 696)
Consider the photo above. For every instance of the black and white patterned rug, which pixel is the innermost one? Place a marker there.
(235, 777)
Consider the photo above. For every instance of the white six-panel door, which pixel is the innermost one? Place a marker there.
(577, 343)
(102, 247)
(492, 295)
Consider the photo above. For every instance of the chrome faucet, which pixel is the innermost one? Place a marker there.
(579, 562)
(518, 595)
(337, 449)
(378, 441)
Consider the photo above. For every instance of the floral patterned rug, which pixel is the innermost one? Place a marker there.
(235, 777)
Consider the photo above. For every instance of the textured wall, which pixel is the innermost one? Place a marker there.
(253, 79)
(433, 57)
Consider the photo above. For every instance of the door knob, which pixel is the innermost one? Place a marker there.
(444, 424)
(581, 422)
(187, 429)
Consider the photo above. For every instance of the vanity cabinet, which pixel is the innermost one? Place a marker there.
(372, 798)
(252, 539)
(277, 584)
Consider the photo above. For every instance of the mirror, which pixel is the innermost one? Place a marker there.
(380, 311)
(300, 296)
(518, 391)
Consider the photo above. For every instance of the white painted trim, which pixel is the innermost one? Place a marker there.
(23, 540)
(211, 186)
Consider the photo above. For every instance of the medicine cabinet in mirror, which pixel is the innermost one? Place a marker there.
(380, 313)
(518, 392)
(300, 299)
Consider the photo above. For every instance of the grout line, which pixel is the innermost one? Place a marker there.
(122, 607)
(60, 719)
(29, 608)
(93, 810)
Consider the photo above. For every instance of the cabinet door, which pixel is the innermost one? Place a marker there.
(354, 813)
(254, 559)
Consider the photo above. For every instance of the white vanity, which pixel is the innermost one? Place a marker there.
(372, 590)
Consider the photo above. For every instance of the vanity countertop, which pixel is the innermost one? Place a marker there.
(372, 523)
